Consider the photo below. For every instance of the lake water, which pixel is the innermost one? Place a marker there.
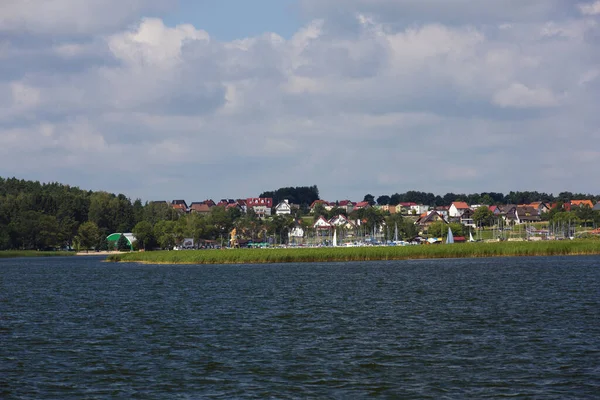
(75, 328)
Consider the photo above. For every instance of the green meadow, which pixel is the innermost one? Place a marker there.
(337, 254)
(33, 253)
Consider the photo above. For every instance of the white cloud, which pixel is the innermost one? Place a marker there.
(520, 96)
(153, 44)
(438, 104)
(590, 8)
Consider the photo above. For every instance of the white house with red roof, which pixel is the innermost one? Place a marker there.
(457, 209)
(342, 221)
(361, 204)
(322, 224)
(325, 204)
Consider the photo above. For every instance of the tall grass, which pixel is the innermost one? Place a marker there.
(466, 250)
(33, 253)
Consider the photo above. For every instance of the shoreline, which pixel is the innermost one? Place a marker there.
(99, 253)
(338, 254)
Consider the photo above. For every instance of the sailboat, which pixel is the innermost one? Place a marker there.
(471, 237)
(396, 233)
(450, 238)
(334, 237)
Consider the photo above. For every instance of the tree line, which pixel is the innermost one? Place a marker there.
(484, 198)
(36, 215)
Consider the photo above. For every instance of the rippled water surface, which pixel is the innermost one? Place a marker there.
(73, 328)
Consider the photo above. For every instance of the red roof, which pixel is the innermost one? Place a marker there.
(259, 201)
(314, 203)
(580, 203)
(460, 205)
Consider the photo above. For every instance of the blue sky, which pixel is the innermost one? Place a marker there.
(165, 99)
(233, 19)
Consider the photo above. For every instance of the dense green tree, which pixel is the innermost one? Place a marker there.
(319, 210)
(483, 216)
(584, 213)
(88, 235)
(383, 200)
(123, 243)
(144, 234)
(103, 244)
(302, 195)
(370, 199)
(163, 232)
(437, 229)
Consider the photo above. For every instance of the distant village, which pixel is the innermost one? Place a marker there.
(423, 216)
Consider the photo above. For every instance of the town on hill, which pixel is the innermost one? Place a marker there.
(52, 216)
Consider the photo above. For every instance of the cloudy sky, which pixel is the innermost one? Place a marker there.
(196, 99)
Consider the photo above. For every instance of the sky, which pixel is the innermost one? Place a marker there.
(168, 99)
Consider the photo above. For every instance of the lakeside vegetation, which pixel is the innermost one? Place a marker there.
(34, 253)
(367, 253)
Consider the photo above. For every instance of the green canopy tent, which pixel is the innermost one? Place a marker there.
(113, 239)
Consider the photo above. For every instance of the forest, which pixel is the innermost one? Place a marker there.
(43, 216)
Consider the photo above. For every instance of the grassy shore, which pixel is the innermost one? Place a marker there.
(34, 253)
(466, 250)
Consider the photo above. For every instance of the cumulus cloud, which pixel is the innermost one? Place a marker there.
(455, 99)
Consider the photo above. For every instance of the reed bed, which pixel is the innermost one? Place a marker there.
(331, 254)
(33, 253)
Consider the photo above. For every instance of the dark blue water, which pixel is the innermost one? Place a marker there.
(75, 328)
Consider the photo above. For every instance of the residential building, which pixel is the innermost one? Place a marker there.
(283, 208)
(261, 206)
(200, 207)
(457, 208)
(429, 218)
(179, 205)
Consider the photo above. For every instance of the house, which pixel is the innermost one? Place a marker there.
(362, 204)
(506, 212)
(296, 234)
(325, 204)
(404, 207)
(283, 208)
(429, 218)
(342, 221)
(347, 205)
(322, 224)
(581, 203)
(519, 214)
(418, 209)
(262, 206)
(457, 208)
(210, 203)
(467, 218)
(225, 202)
(540, 206)
(442, 210)
(388, 208)
(526, 214)
(179, 205)
(200, 207)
